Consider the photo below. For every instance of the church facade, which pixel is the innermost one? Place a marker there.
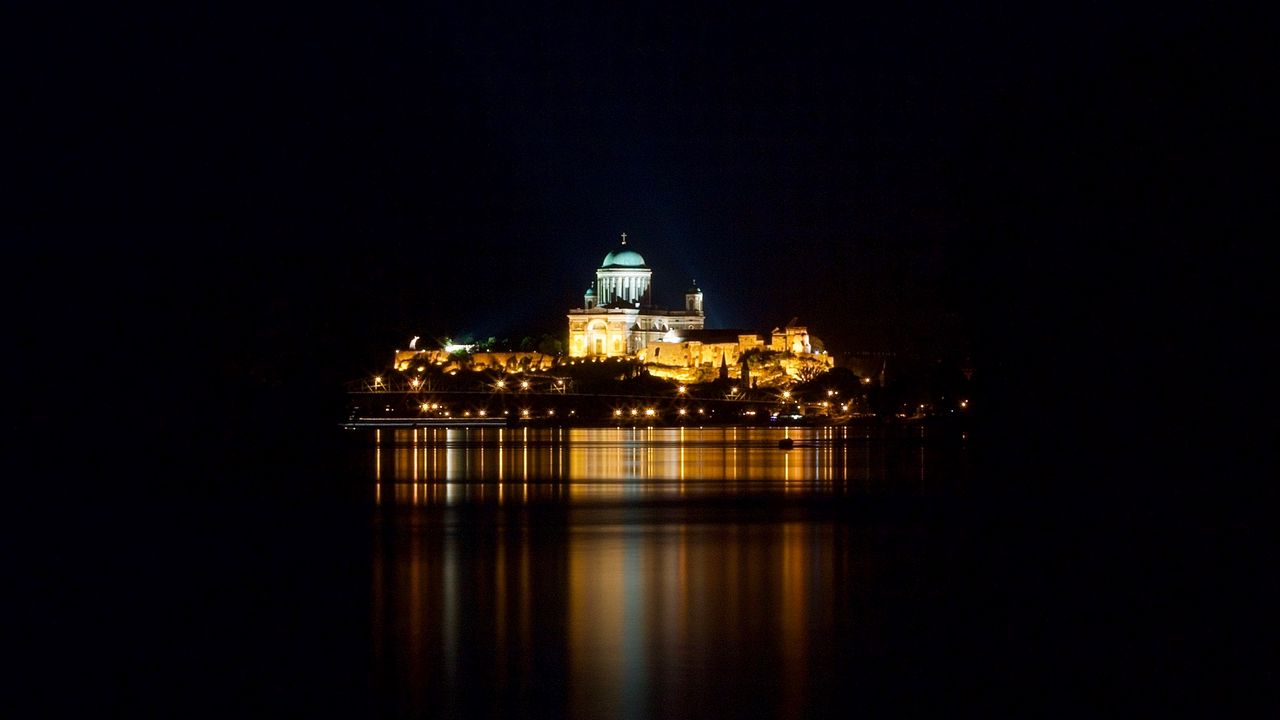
(618, 317)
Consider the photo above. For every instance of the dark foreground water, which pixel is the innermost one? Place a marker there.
(614, 573)
(649, 572)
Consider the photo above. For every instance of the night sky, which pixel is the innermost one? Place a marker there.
(284, 195)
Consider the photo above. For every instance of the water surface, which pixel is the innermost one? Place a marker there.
(641, 572)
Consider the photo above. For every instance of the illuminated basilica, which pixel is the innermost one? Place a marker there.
(618, 316)
(618, 319)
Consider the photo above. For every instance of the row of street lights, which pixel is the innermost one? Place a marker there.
(559, 386)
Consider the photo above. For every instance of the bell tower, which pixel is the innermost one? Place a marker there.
(693, 299)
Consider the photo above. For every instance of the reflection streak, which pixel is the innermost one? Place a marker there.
(453, 466)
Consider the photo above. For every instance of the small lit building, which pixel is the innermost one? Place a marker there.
(618, 317)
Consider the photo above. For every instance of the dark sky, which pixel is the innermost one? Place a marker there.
(308, 186)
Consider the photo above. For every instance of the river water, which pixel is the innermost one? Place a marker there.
(267, 569)
(540, 572)
(673, 572)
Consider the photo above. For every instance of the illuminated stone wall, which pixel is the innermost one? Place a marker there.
(787, 356)
(793, 339)
(408, 360)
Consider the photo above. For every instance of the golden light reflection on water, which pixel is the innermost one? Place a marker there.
(639, 601)
(620, 616)
(496, 567)
(462, 465)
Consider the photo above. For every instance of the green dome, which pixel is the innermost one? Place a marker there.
(624, 258)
